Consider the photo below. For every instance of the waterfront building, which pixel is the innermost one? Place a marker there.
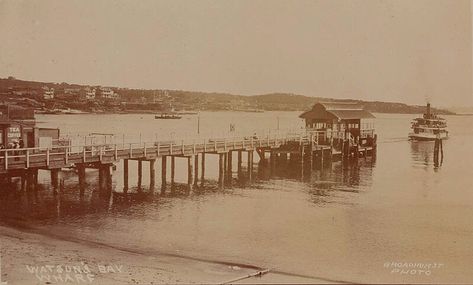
(19, 124)
(348, 118)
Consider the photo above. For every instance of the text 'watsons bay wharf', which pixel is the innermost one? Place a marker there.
(334, 132)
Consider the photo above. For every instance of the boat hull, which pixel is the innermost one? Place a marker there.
(427, 137)
(167, 117)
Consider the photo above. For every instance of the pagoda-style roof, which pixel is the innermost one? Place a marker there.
(335, 110)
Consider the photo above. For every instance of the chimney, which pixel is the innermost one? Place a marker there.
(428, 110)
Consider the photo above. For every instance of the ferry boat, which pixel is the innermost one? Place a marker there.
(167, 116)
(429, 127)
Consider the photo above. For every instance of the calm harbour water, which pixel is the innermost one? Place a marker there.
(340, 224)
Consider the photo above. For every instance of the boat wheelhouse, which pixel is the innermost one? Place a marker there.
(429, 127)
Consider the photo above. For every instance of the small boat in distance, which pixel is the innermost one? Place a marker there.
(429, 127)
(167, 116)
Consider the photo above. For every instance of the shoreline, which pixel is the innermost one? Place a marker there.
(29, 257)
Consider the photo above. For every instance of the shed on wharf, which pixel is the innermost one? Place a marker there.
(19, 124)
(350, 119)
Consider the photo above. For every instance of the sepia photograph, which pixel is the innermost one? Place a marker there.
(236, 142)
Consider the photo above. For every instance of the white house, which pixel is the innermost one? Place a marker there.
(107, 93)
(90, 93)
(48, 93)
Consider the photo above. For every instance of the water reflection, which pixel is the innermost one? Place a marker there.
(422, 153)
(323, 184)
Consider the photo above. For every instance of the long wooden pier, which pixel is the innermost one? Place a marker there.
(306, 146)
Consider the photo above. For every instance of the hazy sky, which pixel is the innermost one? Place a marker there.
(403, 51)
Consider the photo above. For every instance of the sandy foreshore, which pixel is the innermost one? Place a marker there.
(32, 258)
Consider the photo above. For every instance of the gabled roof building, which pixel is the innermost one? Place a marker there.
(340, 117)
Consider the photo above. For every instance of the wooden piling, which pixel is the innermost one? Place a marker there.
(23, 181)
(55, 178)
(190, 177)
(250, 164)
(311, 151)
(225, 167)
(357, 151)
(196, 170)
(239, 160)
(441, 151)
(302, 159)
(30, 185)
(140, 174)
(202, 171)
(35, 176)
(272, 161)
(221, 172)
(229, 168)
(311, 158)
(105, 180)
(163, 174)
(322, 152)
(81, 175)
(375, 144)
(125, 175)
(173, 171)
(152, 174)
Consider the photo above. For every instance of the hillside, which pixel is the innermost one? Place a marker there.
(30, 93)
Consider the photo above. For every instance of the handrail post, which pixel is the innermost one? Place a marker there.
(66, 159)
(183, 150)
(215, 145)
(101, 153)
(144, 151)
(251, 142)
(157, 149)
(205, 145)
(116, 152)
(170, 148)
(225, 144)
(194, 146)
(83, 153)
(131, 150)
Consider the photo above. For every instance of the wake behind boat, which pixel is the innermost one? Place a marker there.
(429, 127)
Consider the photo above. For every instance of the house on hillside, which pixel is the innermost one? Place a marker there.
(347, 119)
(88, 93)
(108, 93)
(23, 92)
(48, 93)
(72, 91)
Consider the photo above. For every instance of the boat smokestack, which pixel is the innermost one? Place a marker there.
(428, 110)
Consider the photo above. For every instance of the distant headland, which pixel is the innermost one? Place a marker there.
(53, 97)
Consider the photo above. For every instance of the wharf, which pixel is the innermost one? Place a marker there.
(306, 147)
